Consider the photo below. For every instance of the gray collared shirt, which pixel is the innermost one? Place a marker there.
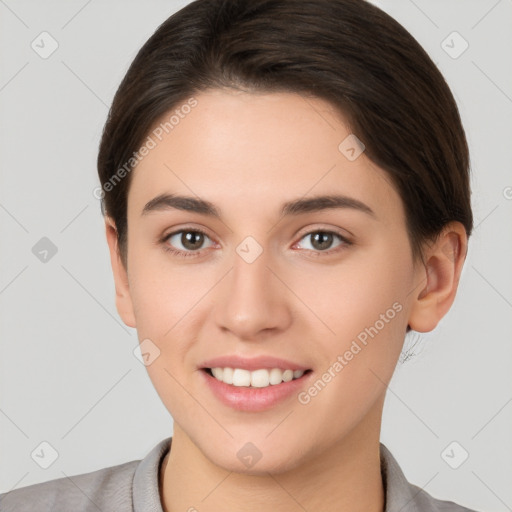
(133, 487)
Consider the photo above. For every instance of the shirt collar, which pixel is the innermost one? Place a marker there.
(145, 490)
(400, 496)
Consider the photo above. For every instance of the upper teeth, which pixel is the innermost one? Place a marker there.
(258, 378)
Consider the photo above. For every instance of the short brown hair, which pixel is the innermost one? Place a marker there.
(347, 52)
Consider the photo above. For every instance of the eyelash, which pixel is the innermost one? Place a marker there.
(178, 252)
(188, 254)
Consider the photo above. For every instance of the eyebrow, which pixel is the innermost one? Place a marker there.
(165, 202)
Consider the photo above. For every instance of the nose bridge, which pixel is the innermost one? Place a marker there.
(250, 270)
(251, 301)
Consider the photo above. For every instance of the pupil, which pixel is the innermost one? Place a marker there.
(322, 240)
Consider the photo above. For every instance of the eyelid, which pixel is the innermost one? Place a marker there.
(300, 235)
(177, 230)
(344, 234)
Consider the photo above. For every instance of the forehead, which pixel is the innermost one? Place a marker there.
(256, 151)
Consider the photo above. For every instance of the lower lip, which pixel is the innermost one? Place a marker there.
(252, 399)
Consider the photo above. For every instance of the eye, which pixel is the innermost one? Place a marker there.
(191, 242)
(323, 241)
(187, 241)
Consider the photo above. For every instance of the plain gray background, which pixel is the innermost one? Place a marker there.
(68, 373)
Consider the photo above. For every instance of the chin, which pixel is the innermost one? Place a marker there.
(275, 464)
(256, 458)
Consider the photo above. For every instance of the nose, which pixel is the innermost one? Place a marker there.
(252, 302)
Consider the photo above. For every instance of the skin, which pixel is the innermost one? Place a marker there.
(248, 154)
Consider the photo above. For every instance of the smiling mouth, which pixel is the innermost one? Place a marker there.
(260, 378)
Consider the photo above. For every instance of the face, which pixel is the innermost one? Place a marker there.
(257, 274)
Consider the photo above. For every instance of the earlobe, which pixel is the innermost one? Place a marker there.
(438, 278)
(124, 303)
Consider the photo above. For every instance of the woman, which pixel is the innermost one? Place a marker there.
(286, 194)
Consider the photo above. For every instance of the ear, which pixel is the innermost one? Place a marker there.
(123, 298)
(439, 276)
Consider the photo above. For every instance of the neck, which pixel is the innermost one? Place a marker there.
(345, 477)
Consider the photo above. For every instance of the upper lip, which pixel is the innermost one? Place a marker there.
(252, 363)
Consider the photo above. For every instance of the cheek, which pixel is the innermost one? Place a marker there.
(364, 303)
(163, 294)
(167, 304)
(353, 295)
